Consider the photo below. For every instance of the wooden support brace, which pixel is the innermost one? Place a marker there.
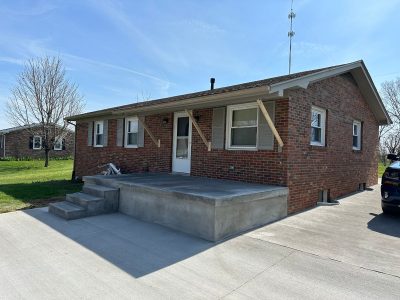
(270, 123)
(155, 141)
(208, 144)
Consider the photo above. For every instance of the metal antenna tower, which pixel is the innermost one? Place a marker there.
(291, 16)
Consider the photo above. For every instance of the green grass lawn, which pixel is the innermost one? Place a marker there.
(381, 169)
(26, 184)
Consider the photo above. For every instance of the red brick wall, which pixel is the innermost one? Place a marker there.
(148, 158)
(263, 166)
(17, 145)
(335, 167)
(252, 166)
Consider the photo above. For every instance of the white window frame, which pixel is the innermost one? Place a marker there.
(58, 139)
(95, 133)
(33, 142)
(322, 112)
(131, 119)
(359, 126)
(230, 110)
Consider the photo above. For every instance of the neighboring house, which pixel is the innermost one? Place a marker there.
(321, 143)
(22, 142)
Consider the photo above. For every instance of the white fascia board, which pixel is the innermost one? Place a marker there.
(369, 90)
(375, 93)
(305, 80)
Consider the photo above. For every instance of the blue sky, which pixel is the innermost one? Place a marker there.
(120, 52)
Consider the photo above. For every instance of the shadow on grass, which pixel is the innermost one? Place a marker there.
(39, 191)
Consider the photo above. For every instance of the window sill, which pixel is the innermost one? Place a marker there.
(98, 146)
(240, 149)
(318, 145)
(131, 146)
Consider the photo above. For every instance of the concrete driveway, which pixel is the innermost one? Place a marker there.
(346, 251)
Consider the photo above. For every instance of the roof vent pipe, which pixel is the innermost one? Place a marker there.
(212, 81)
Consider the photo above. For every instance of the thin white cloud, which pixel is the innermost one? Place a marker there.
(113, 66)
(309, 48)
(115, 13)
(22, 48)
(370, 15)
(30, 48)
(12, 60)
(199, 26)
(35, 8)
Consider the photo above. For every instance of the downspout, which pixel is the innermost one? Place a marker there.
(4, 145)
(73, 167)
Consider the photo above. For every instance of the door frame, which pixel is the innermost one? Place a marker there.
(177, 115)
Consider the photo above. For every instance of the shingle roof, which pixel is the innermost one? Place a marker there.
(17, 128)
(231, 88)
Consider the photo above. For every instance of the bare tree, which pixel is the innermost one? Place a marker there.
(391, 95)
(392, 142)
(44, 97)
(384, 130)
(389, 135)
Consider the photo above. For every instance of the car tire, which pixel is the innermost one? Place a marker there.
(386, 210)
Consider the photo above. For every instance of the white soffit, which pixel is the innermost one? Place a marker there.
(360, 74)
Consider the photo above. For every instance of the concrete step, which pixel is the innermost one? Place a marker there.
(100, 180)
(67, 210)
(95, 199)
(109, 194)
(93, 205)
(100, 191)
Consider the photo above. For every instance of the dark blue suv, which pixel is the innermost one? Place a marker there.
(390, 187)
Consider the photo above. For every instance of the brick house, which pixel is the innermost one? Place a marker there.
(321, 141)
(23, 141)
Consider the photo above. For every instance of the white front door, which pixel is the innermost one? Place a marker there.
(182, 143)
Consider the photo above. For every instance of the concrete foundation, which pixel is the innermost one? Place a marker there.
(208, 208)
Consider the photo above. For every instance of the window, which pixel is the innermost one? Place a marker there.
(242, 123)
(318, 120)
(58, 144)
(37, 142)
(98, 133)
(356, 135)
(182, 137)
(2, 141)
(131, 132)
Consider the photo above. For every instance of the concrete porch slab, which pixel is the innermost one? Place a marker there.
(205, 188)
(212, 209)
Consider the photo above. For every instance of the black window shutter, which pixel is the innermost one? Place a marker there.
(90, 133)
(31, 142)
(63, 144)
(123, 133)
(120, 133)
(140, 139)
(218, 128)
